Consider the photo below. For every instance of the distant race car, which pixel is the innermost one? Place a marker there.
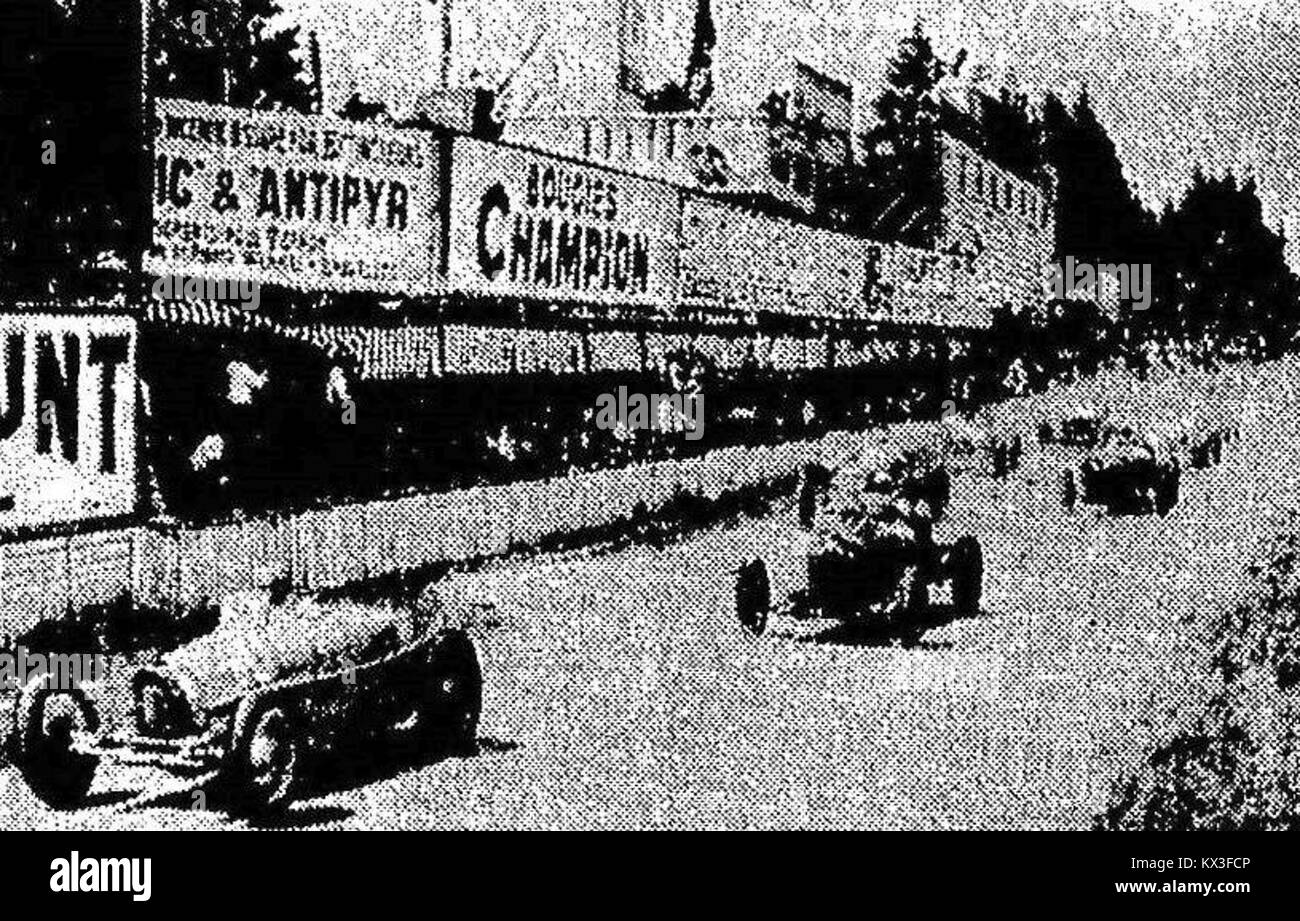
(861, 549)
(1199, 441)
(1126, 473)
(277, 681)
(1082, 428)
(967, 446)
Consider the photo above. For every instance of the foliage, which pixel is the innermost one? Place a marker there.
(694, 92)
(908, 136)
(1099, 218)
(228, 51)
(1237, 765)
(70, 118)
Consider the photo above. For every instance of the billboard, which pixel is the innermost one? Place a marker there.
(303, 201)
(527, 224)
(741, 260)
(67, 419)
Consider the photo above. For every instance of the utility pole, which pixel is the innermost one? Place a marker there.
(142, 238)
(444, 27)
(317, 76)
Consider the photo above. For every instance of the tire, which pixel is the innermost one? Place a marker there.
(265, 758)
(453, 699)
(807, 503)
(753, 597)
(1069, 489)
(45, 719)
(968, 577)
(912, 598)
(1001, 460)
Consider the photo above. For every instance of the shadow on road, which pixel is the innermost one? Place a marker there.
(350, 770)
(332, 773)
(108, 798)
(865, 632)
(303, 817)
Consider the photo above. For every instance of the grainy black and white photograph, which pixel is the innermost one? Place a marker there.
(649, 415)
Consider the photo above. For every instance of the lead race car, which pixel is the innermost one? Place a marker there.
(281, 679)
(863, 550)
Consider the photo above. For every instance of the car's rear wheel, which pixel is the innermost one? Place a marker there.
(912, 596)
(266, 758)
(1069, 489)
(46, 721)
(1167, 490)
(968, 576)
(753, 594)
(454, 695)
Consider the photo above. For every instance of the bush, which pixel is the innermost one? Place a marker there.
(1264, 632)
(1216, 776)
(1237, 766)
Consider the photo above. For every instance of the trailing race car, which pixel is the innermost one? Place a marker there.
(279, 680)
(863, 550)
(1198, 441)
(1126, 473)
(967, 446)
(1082, 428)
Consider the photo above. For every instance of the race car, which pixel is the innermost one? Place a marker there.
(967, 446)
(1198, 441)
(1083, 427)
(281, 680)
(862, 551)
(1126, 473)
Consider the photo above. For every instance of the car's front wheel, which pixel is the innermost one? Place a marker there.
(266, 758)
(454, 695)
(968, 576)
(753, 593)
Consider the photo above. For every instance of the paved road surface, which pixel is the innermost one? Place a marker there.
(621, 693)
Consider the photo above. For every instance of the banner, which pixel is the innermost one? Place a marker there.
(530, 225)
(741, 260)
(67, 419)
(738, 259)
(308, 202)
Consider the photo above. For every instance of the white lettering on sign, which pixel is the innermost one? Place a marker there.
(303, 201)
(67, 419)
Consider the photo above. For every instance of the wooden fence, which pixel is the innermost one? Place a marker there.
(45, 578)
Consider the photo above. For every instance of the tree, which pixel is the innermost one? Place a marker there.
(1012, 136)
(228, 51)
(1225, 272)
(266, 71)
(1099, 218)
(70, 140)
(694, 92)
(699, 69)
(907, 137)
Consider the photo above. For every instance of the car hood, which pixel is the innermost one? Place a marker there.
(254, 646)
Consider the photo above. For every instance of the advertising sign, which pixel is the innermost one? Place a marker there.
(741, 260)
(304, 201)
(530, 225)
(67, 419)
(736, 259)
